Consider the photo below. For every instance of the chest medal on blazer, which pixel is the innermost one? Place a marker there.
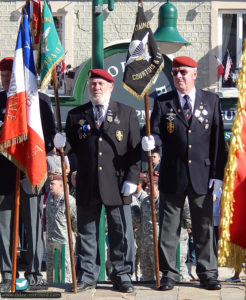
(84, 129)
(170, 124)
(119, 135)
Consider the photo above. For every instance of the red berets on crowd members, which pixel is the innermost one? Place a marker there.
(100, 73)
(55, 176)
(184, 61)
(6, 64)
(155, 178)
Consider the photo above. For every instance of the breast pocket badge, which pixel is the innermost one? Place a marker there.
(119, 135)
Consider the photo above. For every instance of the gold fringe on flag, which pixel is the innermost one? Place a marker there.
(230, 254)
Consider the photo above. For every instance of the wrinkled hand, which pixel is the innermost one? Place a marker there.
(216, 184)
(60, 140)
(128, 188)
(148, 143)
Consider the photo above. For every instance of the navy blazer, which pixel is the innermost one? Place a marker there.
(105, 157)
(194, 151)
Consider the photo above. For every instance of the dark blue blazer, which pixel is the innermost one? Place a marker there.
(194, 151)
(105, 157)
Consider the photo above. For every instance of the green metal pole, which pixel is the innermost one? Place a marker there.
(97, 63)
(97, 34)
(178, 259)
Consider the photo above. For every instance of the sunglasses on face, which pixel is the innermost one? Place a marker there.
(182, 72)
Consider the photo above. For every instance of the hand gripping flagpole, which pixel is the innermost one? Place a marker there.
(69, 226)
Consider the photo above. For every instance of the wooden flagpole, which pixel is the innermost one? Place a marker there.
(69, 226)
(16, 225)
(157, 269)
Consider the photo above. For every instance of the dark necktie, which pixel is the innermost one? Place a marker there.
(99, 115)
(187, 108)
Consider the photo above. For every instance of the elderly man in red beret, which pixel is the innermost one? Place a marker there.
(105, 136)
(187, 124)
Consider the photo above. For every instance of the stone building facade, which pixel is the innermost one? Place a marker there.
(198, 22)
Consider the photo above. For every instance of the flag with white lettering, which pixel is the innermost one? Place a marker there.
(144, 60)
(21, 139)
(52, 52)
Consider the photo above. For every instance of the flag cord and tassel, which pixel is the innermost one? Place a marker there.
(232, 254)
(69, 226)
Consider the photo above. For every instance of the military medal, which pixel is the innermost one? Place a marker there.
(201, 119)
(204, 112)
(117, 120)
(119, 135)
(81, 122)
(197, 113)
(206, 126)
(170, 124)
(110, 119)
(110, 116)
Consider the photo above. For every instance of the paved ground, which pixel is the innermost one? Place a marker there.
(182, 291)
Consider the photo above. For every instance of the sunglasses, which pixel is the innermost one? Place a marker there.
(182, 72)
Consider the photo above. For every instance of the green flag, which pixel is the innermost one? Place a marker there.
(52, 52)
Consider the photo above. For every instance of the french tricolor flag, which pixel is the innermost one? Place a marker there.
(220, 67)
(22, 138)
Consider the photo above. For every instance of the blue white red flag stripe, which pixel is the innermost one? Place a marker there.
(22, 138)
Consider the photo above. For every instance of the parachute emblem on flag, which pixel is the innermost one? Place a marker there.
(139, 50)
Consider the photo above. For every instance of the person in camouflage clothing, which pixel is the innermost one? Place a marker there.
(137, 199)
(147, 256)
(56, 226)
(184, 236)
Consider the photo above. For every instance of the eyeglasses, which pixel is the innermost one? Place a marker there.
(182, 72)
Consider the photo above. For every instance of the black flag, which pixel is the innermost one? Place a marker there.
(144, 60)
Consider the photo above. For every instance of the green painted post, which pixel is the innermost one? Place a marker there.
(56, 258)
(97, 63)
(178, 259)
(97, 34)
(63, 263)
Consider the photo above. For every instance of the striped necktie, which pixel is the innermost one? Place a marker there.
(187, 108)
(99, 115)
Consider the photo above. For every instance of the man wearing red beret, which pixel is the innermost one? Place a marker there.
(187, 124)
(105, 137)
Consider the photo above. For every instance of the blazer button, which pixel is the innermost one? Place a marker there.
(100, 139)
(100, 154)
(189, 131)
(100, 168)
(190, 146)
(189, 161)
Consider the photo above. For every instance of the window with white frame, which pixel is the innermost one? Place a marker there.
(232, 31)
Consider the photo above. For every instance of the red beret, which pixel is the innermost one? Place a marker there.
(155, 178)
(100, 73)
(184, 61)
(6, 64)
(55, 176)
